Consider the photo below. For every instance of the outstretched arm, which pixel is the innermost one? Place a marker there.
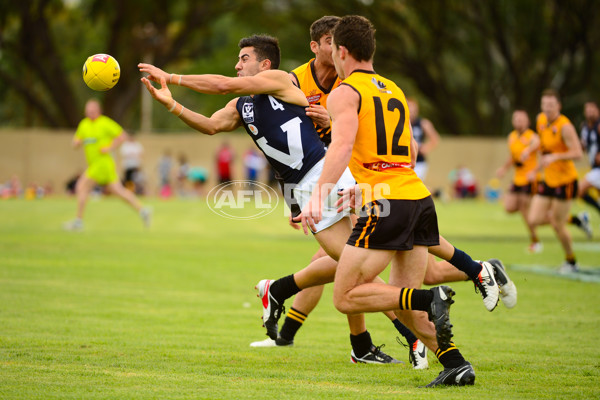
(224, 120)
(274, 82)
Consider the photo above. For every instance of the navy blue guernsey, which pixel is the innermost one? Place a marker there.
(284, 133)
(590, 137)
(419, 137)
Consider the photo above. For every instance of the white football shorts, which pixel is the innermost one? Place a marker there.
(303, 192)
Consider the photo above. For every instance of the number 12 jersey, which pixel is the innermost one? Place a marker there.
(381, 157)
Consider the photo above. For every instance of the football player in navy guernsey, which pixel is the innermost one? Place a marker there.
(272, 110)
(590, 140)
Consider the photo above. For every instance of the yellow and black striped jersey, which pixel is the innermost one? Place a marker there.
(559, 172)
(517, 142)
(314, 92)
(381, 157)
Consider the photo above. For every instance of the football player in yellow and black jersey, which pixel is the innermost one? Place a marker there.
(316, 79)
(559, 146)
(523, 144)
(371, 134)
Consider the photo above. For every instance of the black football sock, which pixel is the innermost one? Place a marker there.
(574, 220)
(284, 288)
(591, 201)
(465, 263)
(450, 357)
(293, 321)
(404, 331)
(415, 299)
(361, 344)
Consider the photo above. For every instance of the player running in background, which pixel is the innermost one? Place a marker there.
(590, 139)
(523, 144)
(559, 146)
(426, 136)
(99, 136)
(372, 135)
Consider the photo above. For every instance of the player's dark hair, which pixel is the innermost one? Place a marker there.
(265, 47)
(323, 26)
(357, 34)
(551, 93)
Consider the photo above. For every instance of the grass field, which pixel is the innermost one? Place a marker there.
(117, 312)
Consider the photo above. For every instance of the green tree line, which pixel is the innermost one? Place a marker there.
(468, 62)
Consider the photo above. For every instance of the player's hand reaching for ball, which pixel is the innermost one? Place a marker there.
(163, 95)
(155, 74)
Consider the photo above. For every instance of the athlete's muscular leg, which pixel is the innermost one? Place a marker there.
(333, 239)
(407, 271)
(322, 270)
(125, 194)
(539, 210)
(83, 188)
(524, 206)
(354, 290)
(584, 186)
(511, 203)
(559, 215)
(307, 299)
(444, 250)
(442, 272)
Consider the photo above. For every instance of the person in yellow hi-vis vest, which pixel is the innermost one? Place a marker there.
(99, 135)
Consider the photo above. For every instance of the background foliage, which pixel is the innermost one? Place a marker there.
(469, 62)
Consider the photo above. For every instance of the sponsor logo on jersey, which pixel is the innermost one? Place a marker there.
(253, 129)
(382, 166)
(312, 99)
(248, 112)
(380, 85)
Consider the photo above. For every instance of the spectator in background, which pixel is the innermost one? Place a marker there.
(425, 135)
(463, 182)
(100, 135)
(254, 164)
(165, 164)
(198, 176)
(182, 175)
(131, 159)
(224, 163)
(11, 189)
